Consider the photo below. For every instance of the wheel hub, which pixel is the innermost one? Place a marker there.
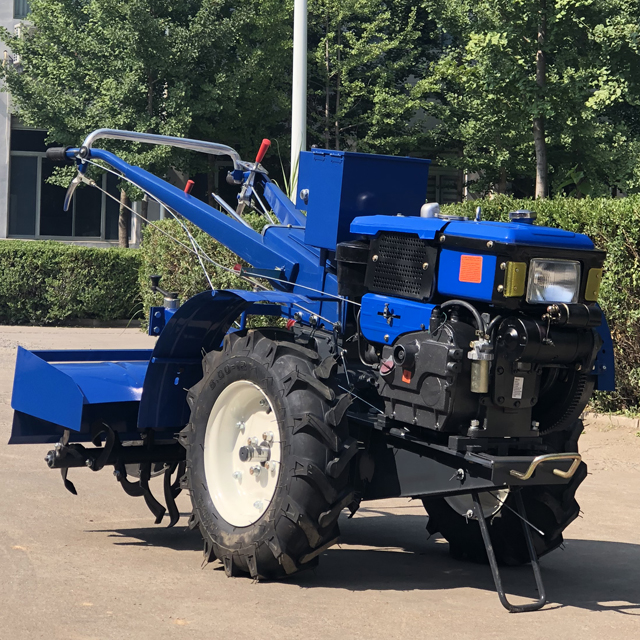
(491, 502)
(242, 453)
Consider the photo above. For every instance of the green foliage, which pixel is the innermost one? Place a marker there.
(180, 269)
(613, 226)
(362, 54)
(196, 68)
(484, 91)
(49, 282)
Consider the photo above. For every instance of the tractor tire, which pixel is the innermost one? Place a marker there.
(550, 508)
(264, 380)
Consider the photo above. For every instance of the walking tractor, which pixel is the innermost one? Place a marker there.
(415, 354)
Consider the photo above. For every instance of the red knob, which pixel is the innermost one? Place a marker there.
(189, 186)
(266, 143)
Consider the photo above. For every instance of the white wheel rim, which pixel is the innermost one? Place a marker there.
(491, 503)
(241, 413)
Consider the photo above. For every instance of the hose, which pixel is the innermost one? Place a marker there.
(480, 324)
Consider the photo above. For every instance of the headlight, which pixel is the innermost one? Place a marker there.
(553, 281)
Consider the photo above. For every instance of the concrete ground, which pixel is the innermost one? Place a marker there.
(95, 566)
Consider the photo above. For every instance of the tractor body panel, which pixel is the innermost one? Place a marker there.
(339, 186)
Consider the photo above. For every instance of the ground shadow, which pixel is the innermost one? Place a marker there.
(588, 574)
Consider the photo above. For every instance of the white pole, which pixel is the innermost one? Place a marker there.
(299, 94)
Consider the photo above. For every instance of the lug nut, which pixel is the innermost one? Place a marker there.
(267, 436)
(255, 470)
(258, 504)
(240, 425)
(263, 403)
(237, 475)
(252, 442)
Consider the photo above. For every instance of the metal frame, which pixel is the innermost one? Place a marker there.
(212, 148)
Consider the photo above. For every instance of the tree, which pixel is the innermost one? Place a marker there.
(532, 87)
(158, 66)
(363, 56)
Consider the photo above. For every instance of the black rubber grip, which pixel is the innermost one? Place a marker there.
(58, 154)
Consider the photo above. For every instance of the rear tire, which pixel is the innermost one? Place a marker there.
(310, 431)
(550, 508)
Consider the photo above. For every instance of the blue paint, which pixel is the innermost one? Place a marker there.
(604, 367)
(56, 386)
(448, 279)
(410, 316)
(342, 186)
(514, 233)
(200, 323)
(424, 228)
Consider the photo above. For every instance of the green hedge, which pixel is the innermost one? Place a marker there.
(50, 282)
(614, 225)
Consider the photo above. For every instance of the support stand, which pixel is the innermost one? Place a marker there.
(493, 563)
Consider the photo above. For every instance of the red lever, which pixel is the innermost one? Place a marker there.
(188, 186)
(264, 147)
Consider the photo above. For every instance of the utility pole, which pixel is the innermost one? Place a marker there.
(299, 93)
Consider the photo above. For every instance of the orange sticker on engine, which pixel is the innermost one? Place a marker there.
(406, 376)
(470, 269)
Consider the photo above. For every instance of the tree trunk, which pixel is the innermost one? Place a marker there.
(144, 207)
(501, 187)
(124, 220)
(539, 138)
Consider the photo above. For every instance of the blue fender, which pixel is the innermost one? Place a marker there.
(176, 363)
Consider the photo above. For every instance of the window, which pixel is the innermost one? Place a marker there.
(36, 208)
(20, 9)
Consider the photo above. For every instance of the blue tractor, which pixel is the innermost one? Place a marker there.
(415, 354)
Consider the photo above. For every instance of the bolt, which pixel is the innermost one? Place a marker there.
(156, 329)
(475, 424)
(252, 442)
(470, 513)
(500, 370)
(255, 470)
(503, 266)
(578, 366)
(460, 474)
(500, 288)
(116, 473)
(535, 425)
(386, 338)
(267, 436)
(443, 238)
(263, 403)
(258, 504)
(240, 425)
(500, 400)
(374, 259)
(425, 266)
(89, 462)
(604, 367)
(237, 475)
(273, 468)
(157, 314)
(490, 244)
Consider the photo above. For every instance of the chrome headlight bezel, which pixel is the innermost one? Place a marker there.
(563, 286)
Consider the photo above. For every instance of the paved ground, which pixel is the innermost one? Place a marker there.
(95, 567)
